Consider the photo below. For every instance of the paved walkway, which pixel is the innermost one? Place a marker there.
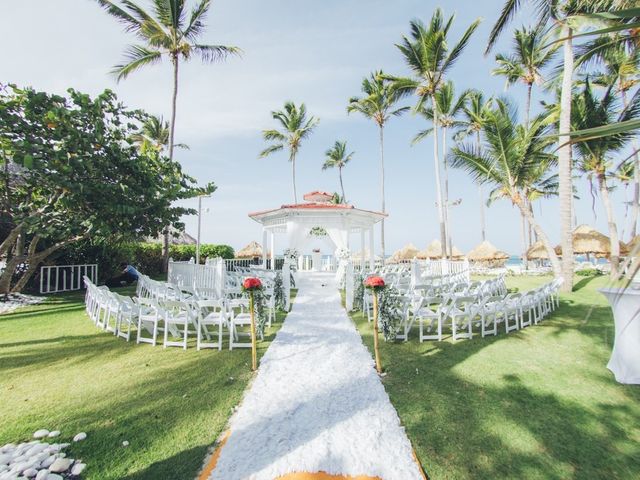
(317, 404)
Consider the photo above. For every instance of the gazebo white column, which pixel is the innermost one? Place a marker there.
(362, 259)
(273, 250)
(372, 258)
(264, 247)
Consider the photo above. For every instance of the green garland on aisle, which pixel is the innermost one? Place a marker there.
(260, 304)
(389, 312)
(358, 292)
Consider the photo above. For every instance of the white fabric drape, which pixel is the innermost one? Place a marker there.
(339, 237)
(297, 235)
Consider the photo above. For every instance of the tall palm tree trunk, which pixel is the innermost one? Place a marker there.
(635, 206)
(614, 259)
(172, 128)
(447, 216)
(381, 131)
(436, 160)
(344, 199)
(293, 178)
(553, 258)
(528, 106)
(523, 236)
(564, 164)
(483, 227)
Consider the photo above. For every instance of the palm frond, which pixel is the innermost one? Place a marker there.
(460, 46)
(137, 56)
(131, 23)
(421, 135)
(509, 10)
(196, 21)
(271, 149)
(215, 53)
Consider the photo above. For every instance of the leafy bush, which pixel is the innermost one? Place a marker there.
(146, 257)
(588, 272)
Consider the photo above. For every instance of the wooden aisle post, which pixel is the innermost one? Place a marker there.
(254, 347)
(375, 332)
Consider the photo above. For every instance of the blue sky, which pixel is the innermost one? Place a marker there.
(304, 51)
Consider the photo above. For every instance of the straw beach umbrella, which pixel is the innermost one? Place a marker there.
(434, 252)
(252, 250)
(537, 251)
(406, 253)
(487, 253)
(588, 241)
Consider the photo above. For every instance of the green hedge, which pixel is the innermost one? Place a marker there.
(146, 257)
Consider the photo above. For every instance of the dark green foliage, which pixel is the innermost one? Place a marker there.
(358, 291)
(71, 171)
(146, 257)
(389, 312)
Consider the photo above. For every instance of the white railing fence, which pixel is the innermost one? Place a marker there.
(66, 278)
(211, 275)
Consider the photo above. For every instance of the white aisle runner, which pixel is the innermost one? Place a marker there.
(317, 403)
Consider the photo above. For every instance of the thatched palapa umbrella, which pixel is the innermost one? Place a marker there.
(253, 250)
(588, 241)
(537, 251)
(486, 252)
(406, 253)
(434, 252)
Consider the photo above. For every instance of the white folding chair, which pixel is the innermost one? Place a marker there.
(148, 320)
(212, 313)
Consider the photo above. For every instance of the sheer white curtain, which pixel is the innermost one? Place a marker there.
(339, 237)
(297, 235)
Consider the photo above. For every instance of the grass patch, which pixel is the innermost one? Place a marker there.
(58, 371)
(537, 403)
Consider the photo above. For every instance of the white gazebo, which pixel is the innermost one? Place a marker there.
(340, 221)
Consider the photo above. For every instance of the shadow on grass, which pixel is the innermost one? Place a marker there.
(468, 421)
(158, 470)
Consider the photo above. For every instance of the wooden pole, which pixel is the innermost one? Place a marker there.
(254, 348)
(375, 332)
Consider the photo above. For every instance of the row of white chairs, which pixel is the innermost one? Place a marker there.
(154, 314)
(482, 305)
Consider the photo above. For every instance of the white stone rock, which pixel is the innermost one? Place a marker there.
(46, 463)
(4, 467)
(42, 475)
(60, 465)
(54, 476)
(5, 458)
(54, 434)
(41, 433)
(79, 437)
(125, 444)
(78, 468)
(30, 472)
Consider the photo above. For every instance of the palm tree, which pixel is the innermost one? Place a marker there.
(475, 114)
(594, 155)
(429, 57)
(170, 31)
(379, 104)
(621, 67)
(337, 157)
(167, 32)
(559, 12)
(531, 55)
(511, 158)
(449, 108)
(154, 136)
(295, 128)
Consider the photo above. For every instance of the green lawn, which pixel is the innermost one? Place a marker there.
(58, 371)
(538, 403)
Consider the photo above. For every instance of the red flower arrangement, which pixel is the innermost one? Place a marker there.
(375, 283)
(251, 283)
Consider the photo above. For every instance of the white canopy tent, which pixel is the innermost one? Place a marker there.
(339, 221)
